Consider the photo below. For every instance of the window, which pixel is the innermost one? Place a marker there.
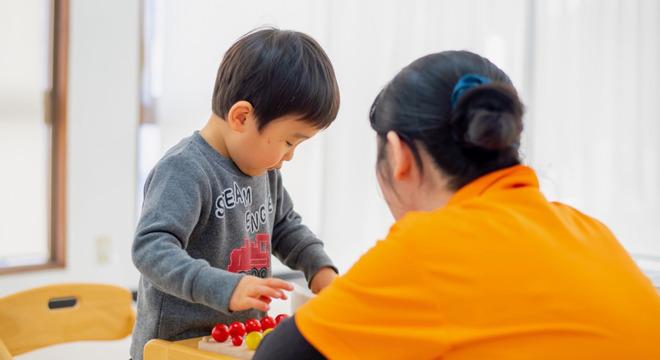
(33, 73)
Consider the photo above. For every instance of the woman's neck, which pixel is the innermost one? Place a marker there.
(433, 199)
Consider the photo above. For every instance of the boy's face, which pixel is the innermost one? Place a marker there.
(256, 152)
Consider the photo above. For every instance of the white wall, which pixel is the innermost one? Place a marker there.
(103, 113)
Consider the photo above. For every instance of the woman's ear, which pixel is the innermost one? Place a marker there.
(402, 157)
(238, 115)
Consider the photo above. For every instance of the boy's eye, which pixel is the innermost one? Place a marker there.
(288, 144)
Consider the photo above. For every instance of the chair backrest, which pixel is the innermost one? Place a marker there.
(4, 352)
(56, 314)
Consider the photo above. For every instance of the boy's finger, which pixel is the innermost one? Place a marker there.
(257, 304)
(270, 292)
(279, 284)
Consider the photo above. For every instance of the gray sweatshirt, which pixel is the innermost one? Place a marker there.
(204, 224)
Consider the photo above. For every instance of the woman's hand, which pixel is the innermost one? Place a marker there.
(255, 293)
(322, 279)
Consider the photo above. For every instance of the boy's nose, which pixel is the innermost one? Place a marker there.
(288, 156)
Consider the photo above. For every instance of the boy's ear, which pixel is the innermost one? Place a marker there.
(402, 157)
(238, 115)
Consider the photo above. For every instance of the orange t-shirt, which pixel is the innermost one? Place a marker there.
(498, 273)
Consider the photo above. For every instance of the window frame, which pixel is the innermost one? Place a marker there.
(56, 116)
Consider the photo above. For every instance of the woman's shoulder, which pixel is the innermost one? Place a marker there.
(424, 229)
(443, 220)
(578, 219)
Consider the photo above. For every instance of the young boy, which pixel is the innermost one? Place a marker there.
(214, 205)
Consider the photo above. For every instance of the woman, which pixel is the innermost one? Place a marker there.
(479, 265)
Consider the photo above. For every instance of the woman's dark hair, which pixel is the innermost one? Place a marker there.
(478, 134)
(280, 73)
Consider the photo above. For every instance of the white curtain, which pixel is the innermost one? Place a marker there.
(588, 71)
(594, 125)
(25, 138)
(369, 42)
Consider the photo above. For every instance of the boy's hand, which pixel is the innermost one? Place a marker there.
(253, 292)
(322, 279)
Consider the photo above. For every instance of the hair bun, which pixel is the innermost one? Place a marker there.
(488, 117)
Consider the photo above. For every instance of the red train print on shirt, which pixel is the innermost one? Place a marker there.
(252, 258)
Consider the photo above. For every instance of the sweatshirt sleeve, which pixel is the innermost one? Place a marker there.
(293, 242)
(175, 194)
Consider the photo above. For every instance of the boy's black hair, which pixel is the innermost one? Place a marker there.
(280, 73)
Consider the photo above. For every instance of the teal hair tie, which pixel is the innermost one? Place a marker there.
(465, 83)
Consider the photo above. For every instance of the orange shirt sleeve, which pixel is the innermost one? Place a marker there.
(354, 317)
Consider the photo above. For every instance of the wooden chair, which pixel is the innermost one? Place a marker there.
(56, 314)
